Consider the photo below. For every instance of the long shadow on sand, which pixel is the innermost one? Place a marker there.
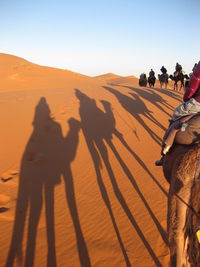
(45, 158)
(170, 93)
(154, 98)
(98, 128)
(177, 95)
(136, 107)
(70, 145)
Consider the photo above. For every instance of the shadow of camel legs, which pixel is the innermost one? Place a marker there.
(50, 222)
(134, 184)
(70, 195)
(104, 194)
(103, 151)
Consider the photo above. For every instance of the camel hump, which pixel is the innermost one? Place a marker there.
(189, 134)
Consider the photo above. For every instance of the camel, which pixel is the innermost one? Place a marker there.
(163, 79)
(143, 80)
(151, 81)
(179, 76)
(181, 168)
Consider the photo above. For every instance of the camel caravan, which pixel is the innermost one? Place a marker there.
(180, 160)
(178, 76)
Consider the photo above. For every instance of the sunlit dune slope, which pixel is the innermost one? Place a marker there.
(17, 74)
(78, 184)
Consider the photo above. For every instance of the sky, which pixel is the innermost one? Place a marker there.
(93, 37)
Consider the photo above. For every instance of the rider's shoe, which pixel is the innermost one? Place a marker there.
(159, 162)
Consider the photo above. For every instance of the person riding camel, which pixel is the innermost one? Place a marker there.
(183, 113)
(178, 69)
(143, 76)
(143, 79)
(163, 70)
(151, 73)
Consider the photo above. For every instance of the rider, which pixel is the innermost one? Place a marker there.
(178, 69)
(151, 73)
(143, 76)
(191, 105)
(163, 70)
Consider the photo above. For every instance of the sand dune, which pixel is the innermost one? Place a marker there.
(107, 76)
(78, 181)
(18, 74)
(117, 79)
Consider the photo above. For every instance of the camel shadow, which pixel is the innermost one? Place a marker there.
(45, 158)
(153, 98)
(136, 107)
(169, 93)
(98, 128)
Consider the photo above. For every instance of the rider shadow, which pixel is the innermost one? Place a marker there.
(136, 107)
(45, 158)
(40, 170)
(98, 128)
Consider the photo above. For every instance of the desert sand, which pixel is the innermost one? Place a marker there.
(78, 182)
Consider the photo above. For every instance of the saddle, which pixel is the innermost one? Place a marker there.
(163, 76)
(143, 81)
(189, 132)
(151, 78)
(176, 73)
(184, 131)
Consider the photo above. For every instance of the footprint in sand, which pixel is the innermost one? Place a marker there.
(9, 175)
(65, 109)
(4, 200)
(4, 180)
(3, 209)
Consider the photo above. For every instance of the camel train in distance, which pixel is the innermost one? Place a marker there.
(177, 76)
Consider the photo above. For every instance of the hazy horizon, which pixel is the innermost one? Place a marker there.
(121, 37)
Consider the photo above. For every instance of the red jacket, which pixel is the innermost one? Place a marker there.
(194, 86)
